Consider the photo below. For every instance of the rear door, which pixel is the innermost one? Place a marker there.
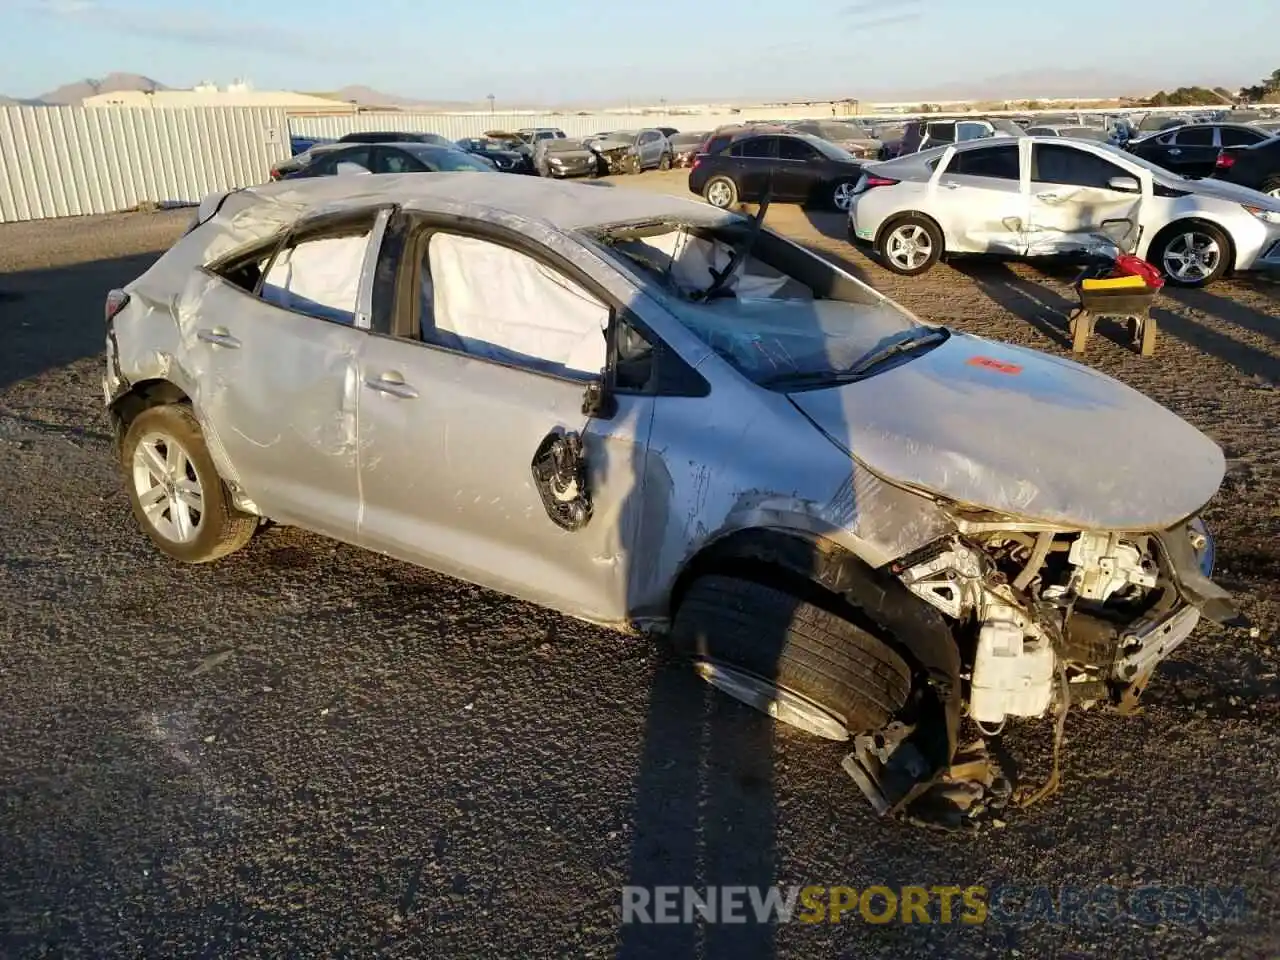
(273, 344)
(1073, 200)
(755, 159)
(979, 199)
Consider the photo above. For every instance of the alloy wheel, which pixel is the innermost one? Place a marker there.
(909, 246)
(843, 197)
(168, 487)
(1191, 256)
(720, 194)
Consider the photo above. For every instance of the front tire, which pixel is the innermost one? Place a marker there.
(720, 192)
(178, 498)
(910, 246)
(1191, 254)
(796, 661)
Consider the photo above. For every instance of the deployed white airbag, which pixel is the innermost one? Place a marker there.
(507, 306)
(690, 259)
(319, 277)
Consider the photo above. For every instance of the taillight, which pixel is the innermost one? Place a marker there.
(878, 182)
(697, 159)
(117, 300)
(1225, 161)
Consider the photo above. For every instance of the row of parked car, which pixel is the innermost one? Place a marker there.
(1197, 199)
(544, 151)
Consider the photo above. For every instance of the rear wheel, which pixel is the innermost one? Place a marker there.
(1271, 187)
(721, 192)
(798, 662)
(842, 195)
(177, 496)
(910, 246)
(665, 162)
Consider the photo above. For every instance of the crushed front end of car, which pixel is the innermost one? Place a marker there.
(615, 156)
(1047, 619)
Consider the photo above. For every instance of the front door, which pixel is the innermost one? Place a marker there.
(756, 160)
(1193, 152)
(454, 408)
(1073, 201)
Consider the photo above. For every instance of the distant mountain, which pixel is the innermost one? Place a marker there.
(368, 97)
(72, 94)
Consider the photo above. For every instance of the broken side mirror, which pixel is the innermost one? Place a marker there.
(1124, 184)
(598, 402)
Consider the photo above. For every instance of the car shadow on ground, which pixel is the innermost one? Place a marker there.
(51, 318)
(1034, 303)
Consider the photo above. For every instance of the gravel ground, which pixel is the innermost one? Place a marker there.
(307, 750)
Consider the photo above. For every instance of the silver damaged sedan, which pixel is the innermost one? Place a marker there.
(654, 415)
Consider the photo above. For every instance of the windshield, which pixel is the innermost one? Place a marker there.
(449, 161)
(562, 146)
(1159, 172)
(687, 139)
(770, 326)
(624, 136)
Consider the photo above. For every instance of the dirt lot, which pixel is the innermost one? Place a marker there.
(309, 750)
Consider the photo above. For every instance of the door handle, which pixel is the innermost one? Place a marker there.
(392, 383)
(219, 337)
(950, 186)
(1175, 152)
(1049, 197)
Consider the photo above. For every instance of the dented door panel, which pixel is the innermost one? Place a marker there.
(279, 408)
(447, 480)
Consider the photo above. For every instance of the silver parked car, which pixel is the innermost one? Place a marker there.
(1042, 196)
(652, 414)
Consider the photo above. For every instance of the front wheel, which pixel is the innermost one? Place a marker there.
(1271, 187)
(910, 246)
(1192, 254)
(177, 496)
(786, 657)
(721, 192)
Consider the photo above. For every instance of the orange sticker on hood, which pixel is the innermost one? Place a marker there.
(999, 366)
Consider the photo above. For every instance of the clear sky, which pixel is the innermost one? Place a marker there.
(561, 51)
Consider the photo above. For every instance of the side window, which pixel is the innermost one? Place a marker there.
(634, 369)
(495, 302)
(320, 276)
(791, 149)
(390, 160)
(1195, 137)
(245, 269)
(758, 148)
(1235, 137)
(998, 162)
(718, 143)
(1059, 163)
(972, 130)
(941, 132)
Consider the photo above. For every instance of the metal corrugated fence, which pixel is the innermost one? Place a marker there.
(66, 161)
(458, 125)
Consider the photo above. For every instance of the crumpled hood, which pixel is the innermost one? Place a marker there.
(1023, 433)
(606, 146)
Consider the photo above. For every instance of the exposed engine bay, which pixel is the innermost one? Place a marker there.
(1045, 620)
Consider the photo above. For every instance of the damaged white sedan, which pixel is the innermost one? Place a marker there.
(652, 414)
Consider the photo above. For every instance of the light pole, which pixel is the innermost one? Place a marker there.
(490, 99)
